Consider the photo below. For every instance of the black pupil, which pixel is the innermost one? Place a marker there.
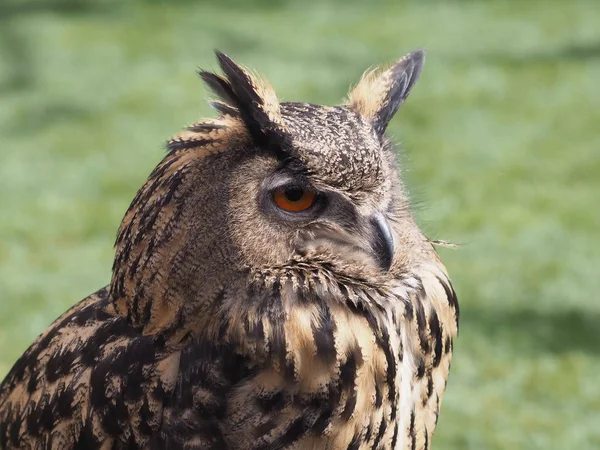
(294, 194)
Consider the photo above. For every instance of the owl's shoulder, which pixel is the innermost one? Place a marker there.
(83, 379)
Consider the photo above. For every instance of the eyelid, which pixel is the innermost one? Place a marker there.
(289, 181)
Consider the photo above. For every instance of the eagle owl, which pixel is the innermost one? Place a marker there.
(270, 290)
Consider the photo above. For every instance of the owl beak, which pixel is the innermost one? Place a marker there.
(383, 242)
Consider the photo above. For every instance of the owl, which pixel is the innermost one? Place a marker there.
(270, 290)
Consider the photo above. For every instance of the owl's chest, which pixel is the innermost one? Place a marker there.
(348, 383)
(360, 374)
(389, 398)
(381, 407)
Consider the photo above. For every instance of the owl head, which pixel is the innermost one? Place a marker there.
(272, 184)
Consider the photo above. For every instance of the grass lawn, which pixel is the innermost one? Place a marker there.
(501, 147)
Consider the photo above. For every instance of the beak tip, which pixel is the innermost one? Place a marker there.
(384, 242)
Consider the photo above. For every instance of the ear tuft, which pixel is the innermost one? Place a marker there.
(224, 108)
(252, 98)
(380, 92)
(219, 85)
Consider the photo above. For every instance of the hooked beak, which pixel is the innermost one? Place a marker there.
(383, 242)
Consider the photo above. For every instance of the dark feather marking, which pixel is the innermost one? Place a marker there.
(147, 417)
(294, 431)
(369, 432)
(60, 363)
(400, 348)
(33, 419)
(374, 303)
(408, 311)
(98, 378)
(134, 314)
(14, 428)
(173, 183)
(343, 291)
(451, 295)
(395, 435)
(378, 395)
(380, 433)
(348, 372)
(114, 417)
(158, 393)
(185, 144)
(4, 430)
(323, 334)
(420, 372)
(235, 367)
(411, 431)
(133, 266)
(447, 344)
(133, 382)
(87, 440)
(422, 323)
(391, 368)
(205, 127)
(225, 109)
(436, 336)
(429, 390)
(355, 443)
(350, 404)
(324, 419)
(32, 383)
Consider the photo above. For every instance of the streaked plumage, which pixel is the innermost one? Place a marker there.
(230, 323)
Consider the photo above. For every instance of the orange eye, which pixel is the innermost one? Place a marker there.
(293, 198)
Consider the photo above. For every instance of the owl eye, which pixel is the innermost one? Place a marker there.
(294, 198)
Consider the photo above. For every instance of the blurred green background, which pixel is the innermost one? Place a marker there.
(501, 147)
